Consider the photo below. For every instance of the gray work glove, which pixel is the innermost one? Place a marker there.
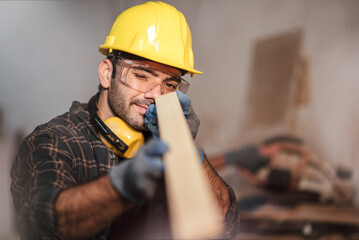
(192, 119)
(136, 178)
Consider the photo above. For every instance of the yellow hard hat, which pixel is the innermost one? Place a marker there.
(131, 137)
(153, 30)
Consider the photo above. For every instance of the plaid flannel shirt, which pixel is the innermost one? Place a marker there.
(57, 155)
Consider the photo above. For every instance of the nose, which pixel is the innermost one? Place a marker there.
(154, 92)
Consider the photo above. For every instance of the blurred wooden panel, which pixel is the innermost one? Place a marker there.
(273, 79)
(303, 89)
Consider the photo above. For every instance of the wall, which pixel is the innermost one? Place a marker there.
(224, 35)
(223, 39)
(49, 58)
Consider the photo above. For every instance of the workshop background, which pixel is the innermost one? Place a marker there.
(49, 57)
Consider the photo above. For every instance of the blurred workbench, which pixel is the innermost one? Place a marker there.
(265, 217)
(305, 221)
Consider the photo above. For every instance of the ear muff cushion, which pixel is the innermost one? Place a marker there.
(133, 138)
(115, 132)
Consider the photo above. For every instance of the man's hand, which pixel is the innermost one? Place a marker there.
(192, 119)
(136, 179)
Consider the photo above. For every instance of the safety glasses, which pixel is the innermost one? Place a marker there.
(144, 77)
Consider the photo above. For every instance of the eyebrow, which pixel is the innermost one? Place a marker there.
(146, 70)
(150, 71)
(173, 78)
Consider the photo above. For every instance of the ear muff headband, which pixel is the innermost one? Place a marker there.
(102, 128)
(110, 136)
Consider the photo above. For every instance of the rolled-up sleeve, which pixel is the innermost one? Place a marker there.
(232, 215)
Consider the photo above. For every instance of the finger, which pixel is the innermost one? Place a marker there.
(152, 119)
(148, 122)
(152, 109)
(184, 101)
(151, 114)
(156, 147)
(156, 162)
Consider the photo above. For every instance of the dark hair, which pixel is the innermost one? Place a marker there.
(114, 56)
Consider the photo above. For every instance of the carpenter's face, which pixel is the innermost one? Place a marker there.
(130, 103)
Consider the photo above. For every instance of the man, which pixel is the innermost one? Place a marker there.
(67, 181)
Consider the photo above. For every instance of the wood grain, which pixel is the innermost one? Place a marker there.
(194, 213)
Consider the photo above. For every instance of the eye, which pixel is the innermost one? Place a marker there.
(170, 85)
(137, 75)
(140, 75)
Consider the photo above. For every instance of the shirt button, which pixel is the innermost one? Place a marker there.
(112, 156)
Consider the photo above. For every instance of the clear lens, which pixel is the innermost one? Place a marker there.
(144, 78)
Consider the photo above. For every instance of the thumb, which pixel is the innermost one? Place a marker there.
(155, 147)
(184, 101)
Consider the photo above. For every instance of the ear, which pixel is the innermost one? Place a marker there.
(105, 73)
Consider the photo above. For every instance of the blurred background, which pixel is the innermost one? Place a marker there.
(270, 67)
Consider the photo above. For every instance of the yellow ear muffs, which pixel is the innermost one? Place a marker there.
(133, 138)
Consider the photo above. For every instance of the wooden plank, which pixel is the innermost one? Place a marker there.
(194, 213)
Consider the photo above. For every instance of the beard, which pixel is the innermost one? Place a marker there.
(120, 105)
